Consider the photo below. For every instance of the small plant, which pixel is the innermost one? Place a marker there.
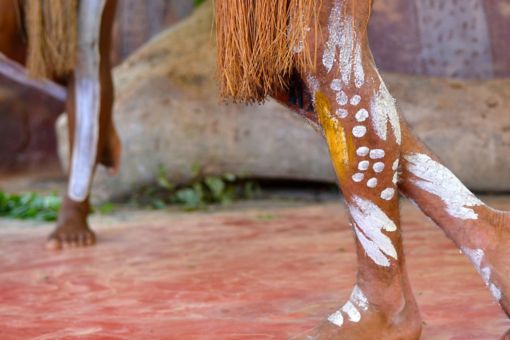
(197, 3)
(30, 206)
(201, 191)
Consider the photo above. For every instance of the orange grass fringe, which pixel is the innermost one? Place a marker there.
(257, 42)
(52, 37)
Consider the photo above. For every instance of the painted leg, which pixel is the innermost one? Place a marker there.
(482, 233)
(382, 305)
(89, 108)
(358, 118)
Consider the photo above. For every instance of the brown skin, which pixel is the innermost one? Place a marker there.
(392, 311)
(72, 228)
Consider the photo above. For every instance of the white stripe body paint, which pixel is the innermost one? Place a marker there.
(369, 223)
(438, 180)
(384, 111)
(342, 42)
(358, 302)
(359, 73)
(476, 257)
(351, 311)
(87, 95)
(336, 318)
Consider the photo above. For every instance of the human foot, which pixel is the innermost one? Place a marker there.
(359, 319)
(72, 228)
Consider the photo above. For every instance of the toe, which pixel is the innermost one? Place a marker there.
(90, 239)
(53, 243)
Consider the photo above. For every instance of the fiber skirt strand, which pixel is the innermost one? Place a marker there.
(52, 37)
(257, 43)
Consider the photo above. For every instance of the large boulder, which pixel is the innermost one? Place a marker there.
(168, 113)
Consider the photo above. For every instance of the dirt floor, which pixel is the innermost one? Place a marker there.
(263, 270)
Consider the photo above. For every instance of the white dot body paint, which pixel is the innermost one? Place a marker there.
(378, 167)
(369, 223)
(358, 177)
(387, 194)
(355, 100)
(377, 153)
(336, 85)
(362, 115)
(359, 131)
(362, 151)
(363, 165)
(372, 182)
(342, 113)
(438, 180)
(383, 110)
(341, 98)
(476, 257)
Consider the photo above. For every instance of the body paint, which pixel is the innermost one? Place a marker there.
(338, 142)
(476, 257)
(384, 111)
(88, 92)
(438, 180)
(357, 303)
(369, 223)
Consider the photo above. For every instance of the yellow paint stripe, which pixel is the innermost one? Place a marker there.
(339, 146)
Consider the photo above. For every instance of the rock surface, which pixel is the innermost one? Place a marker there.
(168, 113)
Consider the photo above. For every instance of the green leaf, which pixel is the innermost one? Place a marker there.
(106, 208)
(197, 3)
(190, 197)
(216, 186)
(196, 168)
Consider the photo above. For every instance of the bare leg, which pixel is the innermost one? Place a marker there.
(91, 131)
(482, 233)
(358, 118)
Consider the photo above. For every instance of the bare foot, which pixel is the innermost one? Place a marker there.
(358, 319)
(111, 152)
(72, 228)
(493, 262)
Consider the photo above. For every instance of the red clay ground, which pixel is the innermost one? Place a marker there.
(253, 274)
